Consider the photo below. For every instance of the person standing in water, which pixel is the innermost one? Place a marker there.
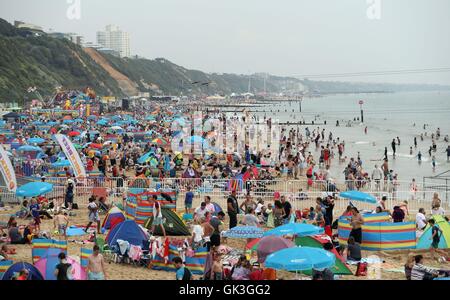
(393, 147)
(415, 142)
(410, 150)
(365, 130)
(433, 162)
(385, 153)
(448, 153)
(398, 141)
(419, 157)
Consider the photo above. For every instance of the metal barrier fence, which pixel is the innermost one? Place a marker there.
(301, 194)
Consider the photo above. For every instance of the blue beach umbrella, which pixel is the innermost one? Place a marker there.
(300, 259)
(52, 123)
(68, 121)
(61, 164)
(244, 232)
(36, 140)
(358, 196)
(34, 189)
(144, 158)
(78, 120)
(299, 229)
(28, 148)
(102, 122)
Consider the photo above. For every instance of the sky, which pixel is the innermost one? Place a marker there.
(282, 37)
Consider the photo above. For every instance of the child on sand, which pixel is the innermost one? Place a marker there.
(60, 223)
(217, 267)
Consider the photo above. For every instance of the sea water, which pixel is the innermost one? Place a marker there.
(387, 116)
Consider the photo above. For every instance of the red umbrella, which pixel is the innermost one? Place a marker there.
(96, 146)
(73, 133)
(53, 130)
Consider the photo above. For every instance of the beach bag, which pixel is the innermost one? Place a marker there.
(74, 206)
(361, 269)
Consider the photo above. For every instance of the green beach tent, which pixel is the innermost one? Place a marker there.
(317, 241)
(424, 241)
(173, 224)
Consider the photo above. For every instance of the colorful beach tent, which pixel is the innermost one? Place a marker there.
(47, 265)
(13, 270)
(113, 217)
(424, 241)
(128, 231)
(318, 241)
(173, 225)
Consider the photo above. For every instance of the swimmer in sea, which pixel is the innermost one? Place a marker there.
(419, 157)
(433, 162)
(415, 142)
(410, 150)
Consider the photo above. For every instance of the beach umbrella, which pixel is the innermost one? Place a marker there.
(244, 232)
(102, 122)
(78, 120)
(68, 121)
(34, 189)
(95, 145)
(150, 118)
(36, 140)
(38, 123)
(28, 148)
(51, 123)
(73, 133)
(271, 244)
(116, 128)
(144, 158)
(300, 259)
(92, 118)
(300, 229)
(159, 141)
(77, 146)
(61, 164)
(358, 196)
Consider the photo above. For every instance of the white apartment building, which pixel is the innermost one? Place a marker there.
(115, 39)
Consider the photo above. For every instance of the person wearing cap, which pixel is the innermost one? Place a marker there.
(68, 199)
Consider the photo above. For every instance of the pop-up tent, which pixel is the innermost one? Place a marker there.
(318, 241)
(13, 270)
(425, 241)
(114, 217)
(128, 231)
(47, 265)
(173, 224)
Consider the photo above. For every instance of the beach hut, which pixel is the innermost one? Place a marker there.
(173, 225)
(425, 241)
(13, 270)
(128, 231)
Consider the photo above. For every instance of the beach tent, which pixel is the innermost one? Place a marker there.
(318, 241)
(128, 231)
(47, 265)
(113, 217)
(217, 208)
(424, 241)
(174, 226)
(34, 273)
